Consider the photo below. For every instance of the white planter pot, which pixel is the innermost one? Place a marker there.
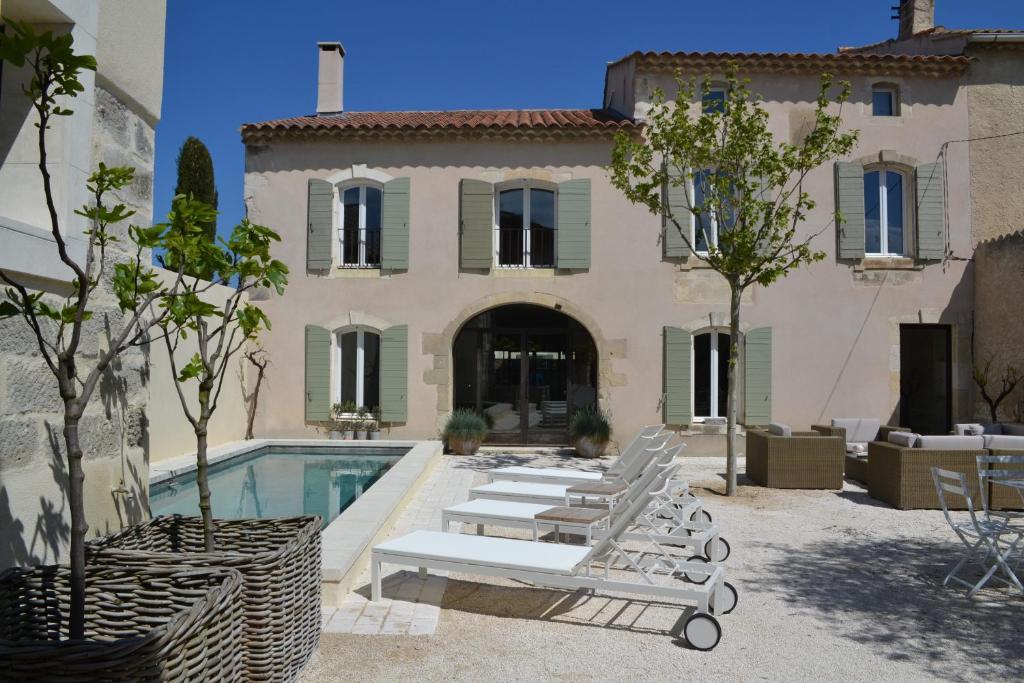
(374, 436)
(361, 434)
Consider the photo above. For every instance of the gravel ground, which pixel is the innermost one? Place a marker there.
(832, 586)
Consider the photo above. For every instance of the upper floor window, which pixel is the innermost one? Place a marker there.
(357, 368)
(885, 212)
(885, 100)
(706, 222)
(360, 226)
(525, 230)
(713, 100)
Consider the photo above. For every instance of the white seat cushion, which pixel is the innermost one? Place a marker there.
(905, 439)
(779, 429)
(968, 429)
(1004, 441)
(951, 443)
(485, 551)
(857, 448)
(526, 489)
(547, 472)
(499, 509)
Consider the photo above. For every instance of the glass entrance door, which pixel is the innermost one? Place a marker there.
(527, 369)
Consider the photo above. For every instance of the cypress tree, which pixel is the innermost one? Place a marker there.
(195, 177)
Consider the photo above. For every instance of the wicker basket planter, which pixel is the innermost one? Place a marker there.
(163, 624)
(279, 560)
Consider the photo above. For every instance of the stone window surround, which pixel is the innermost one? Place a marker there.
(886, 159)
(357, 173)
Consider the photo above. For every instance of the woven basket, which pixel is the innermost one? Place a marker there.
(279, 560)
(180, 624)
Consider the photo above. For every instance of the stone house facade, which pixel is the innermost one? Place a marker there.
(482, 259)
(113, 122)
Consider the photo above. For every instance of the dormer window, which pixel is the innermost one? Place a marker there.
(713, 100)
(885, 100)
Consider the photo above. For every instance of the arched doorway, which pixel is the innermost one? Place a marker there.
(527, 369)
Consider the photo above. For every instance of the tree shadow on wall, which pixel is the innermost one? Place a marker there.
(40, 541)
(888, 594)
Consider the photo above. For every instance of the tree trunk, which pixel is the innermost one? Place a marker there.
(79, 527)
(201, 465)
(255, 400)
(734, 349)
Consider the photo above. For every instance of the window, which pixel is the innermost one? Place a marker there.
(525, 233)
(705, 223)
(359, 232)
(713, 100)
(885, 212)
(357, 364)
(710, 374)
(885, 100)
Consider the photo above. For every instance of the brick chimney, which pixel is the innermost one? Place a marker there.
(916, 16)
(330, 79)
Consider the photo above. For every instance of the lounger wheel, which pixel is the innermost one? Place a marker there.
(701, 515)
(724, 550)
(727, 599)
(702, 632)
(694, 577)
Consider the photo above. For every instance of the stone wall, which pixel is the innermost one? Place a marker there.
(999, 323)
(34, 518)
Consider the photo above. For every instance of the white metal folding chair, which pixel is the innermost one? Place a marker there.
(991, 543)
(991, 469)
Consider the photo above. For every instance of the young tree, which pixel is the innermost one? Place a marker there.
(60, 325)
(744, 181)
(258, 358)
(242, 262)
(195, 177)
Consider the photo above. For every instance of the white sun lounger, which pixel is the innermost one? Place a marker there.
(667, 529)
(560, 475)
(572, 567)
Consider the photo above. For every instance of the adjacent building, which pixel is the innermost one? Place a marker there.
(113, 122)
(482, 259)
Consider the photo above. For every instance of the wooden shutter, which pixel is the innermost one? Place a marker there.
(931, 212)
(573, 233)
(394, 225)
(850, 210)
(476, 230)
(676, 402)
(318, 374)
(675, 197)
(320, 224)
(757, 376)
(394, 373)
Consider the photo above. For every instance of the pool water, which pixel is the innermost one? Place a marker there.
(278, 482)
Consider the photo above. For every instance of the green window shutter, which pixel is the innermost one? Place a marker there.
(320, 224)
(574, 224)
(931, 212)
(676, 402)
(394, 374)
(476, 230)
(394, 225)
(757, 376)
(675, 196)
(850, 205)
(318, 374)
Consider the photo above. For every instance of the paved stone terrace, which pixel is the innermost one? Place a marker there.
(832, 586)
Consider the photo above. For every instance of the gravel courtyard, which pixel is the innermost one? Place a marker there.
(832, 586)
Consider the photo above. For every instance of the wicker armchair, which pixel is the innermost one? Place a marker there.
(902, 476)
(805, 460)
(856, 466)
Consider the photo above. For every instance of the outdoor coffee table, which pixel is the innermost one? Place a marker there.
(607, 492)
(572, 517)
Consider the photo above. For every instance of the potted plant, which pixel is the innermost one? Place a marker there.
(335, 426)
(464, 431)
(374, 432)
(362, 425)
(590, 432)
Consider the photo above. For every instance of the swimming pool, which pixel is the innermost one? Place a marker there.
(279, 481)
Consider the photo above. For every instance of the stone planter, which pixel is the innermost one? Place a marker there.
(587, 448)
(361, 434)
(141, 624)
(463, 446)
(374, 436)
(279, 560)
(349, 434)
(335, 435)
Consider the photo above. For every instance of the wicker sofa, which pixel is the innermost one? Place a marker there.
(902, 475)
(855, 465)
(795, 460)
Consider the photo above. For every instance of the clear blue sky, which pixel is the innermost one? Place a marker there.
(228, 62)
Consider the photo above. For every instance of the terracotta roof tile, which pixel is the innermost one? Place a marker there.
(840, 63)
(503, 122)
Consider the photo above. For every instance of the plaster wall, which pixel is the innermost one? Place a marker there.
(836, 325)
